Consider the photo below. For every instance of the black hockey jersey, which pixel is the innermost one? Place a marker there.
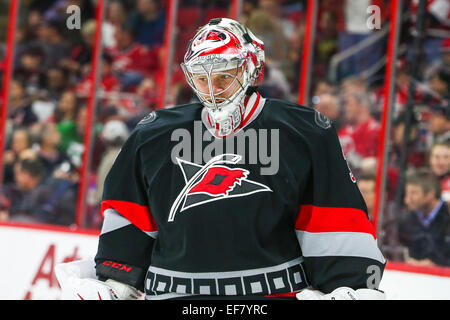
(270, 210)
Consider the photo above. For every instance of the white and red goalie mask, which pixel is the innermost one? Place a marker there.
(223, 60)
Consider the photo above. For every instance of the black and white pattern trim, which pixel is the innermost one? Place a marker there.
(166, 284)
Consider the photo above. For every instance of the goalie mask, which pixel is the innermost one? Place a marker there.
(223, 62)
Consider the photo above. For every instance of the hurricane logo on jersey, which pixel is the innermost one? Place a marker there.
(219, 180)
(213, 181)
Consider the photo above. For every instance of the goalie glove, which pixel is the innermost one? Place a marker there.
(341, 293)
(79, 282)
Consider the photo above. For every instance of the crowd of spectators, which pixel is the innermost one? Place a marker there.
(48, 102)
(351, 94)
(52, 79)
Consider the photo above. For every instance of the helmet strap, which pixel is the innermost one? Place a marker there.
(251, 90)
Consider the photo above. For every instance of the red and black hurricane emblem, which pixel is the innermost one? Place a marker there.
(215, 35)
(219, 180)
(211, 42)
(210, 35)
(216, 180)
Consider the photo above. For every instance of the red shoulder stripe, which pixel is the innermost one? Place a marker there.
(329, 219)
(138, 215)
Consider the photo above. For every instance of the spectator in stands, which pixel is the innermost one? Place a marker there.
(27, 32)
(268, 28)
(67, 171)
(184, 96)
(72, 133)
(325, 43)
(415, 147)
(29, 153)
(354, 83)
(323, 86)
(439, 160)
(248, 6)
(116, 13)
(425, 229)
(72, 139)
(148, 23)
(440, 64)
(20, 141)
(32, 23)
(274, 84)
(67, 107)
(422, 93)
(114, 134)
(275, 10)
(148, 92)
(57, 80)
(108, 81)
(294, 56)
(333, 7)
(22, 42)
(132, 61)
(439, 122)
(4, 207)
(30, 70)
(360, 135)
(54, 202)
(28, 173)
(52, 42)
(81, 54)
(359, 84)
(439, 83)
(49, 141)
(20, 111)
(328, 105)
(40, 199)
(366, 184)
(388, 237)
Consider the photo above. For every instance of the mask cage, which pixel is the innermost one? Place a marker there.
(216, 67)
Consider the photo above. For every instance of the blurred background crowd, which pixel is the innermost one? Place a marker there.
(52, 78)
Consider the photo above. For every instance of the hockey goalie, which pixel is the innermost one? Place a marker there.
(236, 196)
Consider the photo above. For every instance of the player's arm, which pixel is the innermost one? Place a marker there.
(337, 239)
(129, 230)
(126, 239)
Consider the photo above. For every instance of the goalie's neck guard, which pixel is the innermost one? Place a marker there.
(228, 121)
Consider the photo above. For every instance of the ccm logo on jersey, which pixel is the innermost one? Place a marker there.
(118, 266)
(213, 181)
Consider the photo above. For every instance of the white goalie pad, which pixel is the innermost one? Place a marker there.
(342, 293)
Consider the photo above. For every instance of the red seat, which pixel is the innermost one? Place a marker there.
(188, 16)
(214, 13)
